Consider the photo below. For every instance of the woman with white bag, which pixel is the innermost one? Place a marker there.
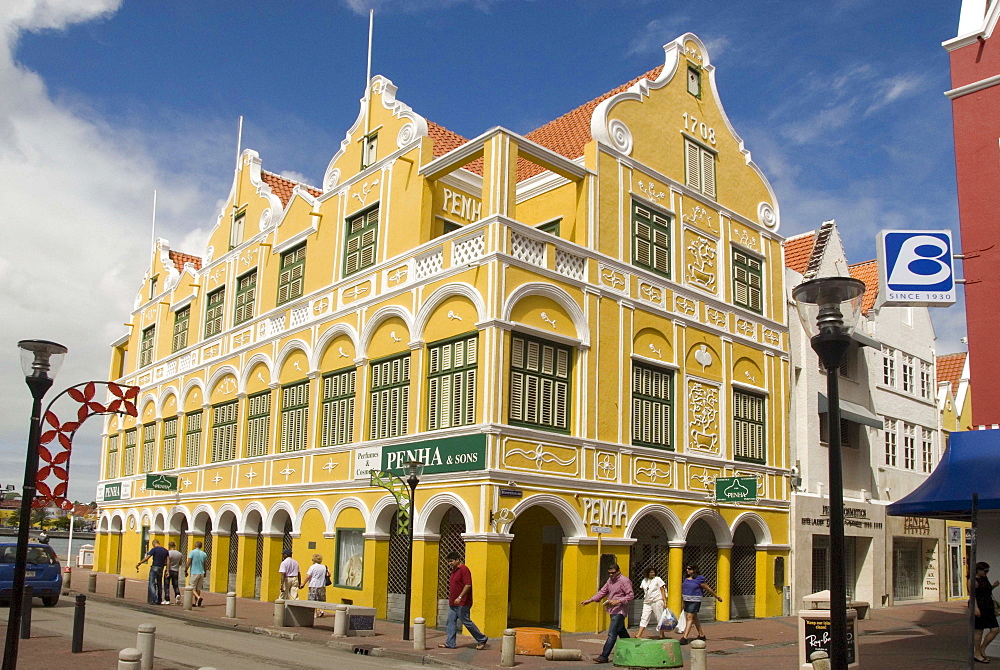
(653, 602)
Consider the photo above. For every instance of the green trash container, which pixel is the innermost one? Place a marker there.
(634, 653)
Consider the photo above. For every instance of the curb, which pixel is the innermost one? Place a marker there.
(411, 656)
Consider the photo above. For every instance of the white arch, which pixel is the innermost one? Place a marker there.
(715, 522)
(439, 296)
(248, 512)
(104, 524)
(436, 507)
(133, 517)
(381, 515)
(255, 360)
(761, 531)
(147, 400)
(159, 520)
(178, 511)
(231, 508)
(201, 512)
(666, 516)
(219, 374)
(565, 514)
(558, 296)
(376, 320)
(291, 347)
(189, 385)
(118, 518)
(280, 506)
(329, 336)
(166, 394)
(312, 503)
(343, 504)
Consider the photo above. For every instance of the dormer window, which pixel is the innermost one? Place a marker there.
(368, 149)
(694, 81)
(236, 232)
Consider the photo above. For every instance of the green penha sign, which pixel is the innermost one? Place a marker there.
(736, 489)
(449, 454)
(161, 483)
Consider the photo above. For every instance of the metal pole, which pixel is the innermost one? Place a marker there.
(969, 583)
(69, 546)
(26, 613)
(38, 386)
(412, 481)
(79, 618)
(838, 582)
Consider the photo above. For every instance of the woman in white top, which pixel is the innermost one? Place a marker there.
(316, 577)
(654, 601)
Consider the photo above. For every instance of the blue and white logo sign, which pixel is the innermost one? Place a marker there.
(916, 268)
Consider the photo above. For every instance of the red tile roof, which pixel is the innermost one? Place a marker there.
(179, 259)
(283, 186)
(868, 273)
(949, 369)
(798, 249)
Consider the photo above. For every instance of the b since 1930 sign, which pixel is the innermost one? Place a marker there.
(916, 268)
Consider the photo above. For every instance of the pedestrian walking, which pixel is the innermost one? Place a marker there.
(460, 604)
(289, 577)
(618, 591)
(986, 614)
(691, 593)
(197, 566)
(173, 573)
(160, 557)
(654, 599)
(317, 579)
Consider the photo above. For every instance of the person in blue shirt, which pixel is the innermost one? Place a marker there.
(691, 594)
(160, 557)
(197, 565)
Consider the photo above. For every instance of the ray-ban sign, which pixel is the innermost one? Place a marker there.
(915, 268)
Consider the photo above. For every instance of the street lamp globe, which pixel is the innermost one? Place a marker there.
(829, 304)
(41, 359)
(414, 469)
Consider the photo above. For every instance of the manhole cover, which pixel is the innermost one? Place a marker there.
(720, 652)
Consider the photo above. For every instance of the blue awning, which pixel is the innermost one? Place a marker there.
(970, 465)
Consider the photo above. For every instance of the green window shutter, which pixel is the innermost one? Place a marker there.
(111, 466)
(213, 312)
(540, 378)
(748, 281)
(748, 427)
(148, 448)
(291, 279)
(692, 165)
(652, 407)
(708, 173)
(360, 244)
(192, 439)
(295, 416)
(338, 407)
(390, 397)
(146, 346)
(181, 320)
(246, 294)
(258, 423)
(451, 383)
(224, 431)
(170, 443)
(650, 239)
(129, 464)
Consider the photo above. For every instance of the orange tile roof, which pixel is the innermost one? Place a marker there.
(868, 273)
(446, 140)
(179, 259)
(283, 186)
(949, 369)
(798, 250)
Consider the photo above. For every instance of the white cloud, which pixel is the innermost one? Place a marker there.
(76, 234)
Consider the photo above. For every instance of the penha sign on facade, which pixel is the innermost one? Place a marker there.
(450, 454)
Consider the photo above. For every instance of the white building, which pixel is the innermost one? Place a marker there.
(891, 441)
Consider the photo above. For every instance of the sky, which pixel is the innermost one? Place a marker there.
(103, 101)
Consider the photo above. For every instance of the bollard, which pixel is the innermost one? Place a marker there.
(820, 660)
(699, 657)
(420, 633)
(231, 605)
(26, 613)
(507, 647)
(146, 642)
(79, 616)
(340, 621)
(129, 659)
(563, 654)
(188, 598)
(67, 577)
(120, 591)
(279, 613)
(92, 582)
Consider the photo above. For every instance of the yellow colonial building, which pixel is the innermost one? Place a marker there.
(577, 331)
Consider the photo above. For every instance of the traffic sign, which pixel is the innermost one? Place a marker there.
(915, 268)
(736, 489)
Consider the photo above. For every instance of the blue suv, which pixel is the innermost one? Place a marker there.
(44, 572)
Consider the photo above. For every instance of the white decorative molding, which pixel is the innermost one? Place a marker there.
(685, 305)
(649, 190)
(703, 356)
(767, 216)
(365, 190)
(701, 271)
(652, 472)
(571, 265)
(266, 219)
(703, 417)
(527, 249)
(540, 456)
(453, 316)
(658, 352)
(607, 467)
(467, 250)
(699, 216)
(407, 134)
(620, 136)
(545, 317)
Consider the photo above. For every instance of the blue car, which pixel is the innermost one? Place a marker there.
(44, 572)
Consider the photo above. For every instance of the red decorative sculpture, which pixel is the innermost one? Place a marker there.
(56, 443)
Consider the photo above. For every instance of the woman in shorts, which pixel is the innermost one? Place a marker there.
(691, 593)
(316, 579)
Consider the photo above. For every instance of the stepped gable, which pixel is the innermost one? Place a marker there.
(798, 250)
(179, 259)
(283, 186)
(868, 273)
(949, 369)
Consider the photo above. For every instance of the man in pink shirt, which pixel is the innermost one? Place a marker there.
(618, 591)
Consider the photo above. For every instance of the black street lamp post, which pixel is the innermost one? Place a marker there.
(821, 304)
(414, 468)
(40, 361)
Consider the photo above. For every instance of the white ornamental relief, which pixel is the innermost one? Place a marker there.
(745, 238)
(331, 179)
(717, 317)
(606, 466)
(540, 456)
(693, 54)
(685, 306)
(701, 271)
(699, 216)
(545, 317)
(266, 217)
(766, 216)
(620, 136)
(771, 337)
(702, 478)
(703, 356)
(703, 417)
(649, 190)
(613, 279)
(651, 293)
(654, 473)
(658, 352)
(746, 328)
(365, 190)
(406, 134)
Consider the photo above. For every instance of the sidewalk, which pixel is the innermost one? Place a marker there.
(923, 635)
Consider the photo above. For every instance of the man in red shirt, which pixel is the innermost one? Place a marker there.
(460, 603)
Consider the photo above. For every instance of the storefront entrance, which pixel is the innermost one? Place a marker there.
(907, 570)
(536, 551)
